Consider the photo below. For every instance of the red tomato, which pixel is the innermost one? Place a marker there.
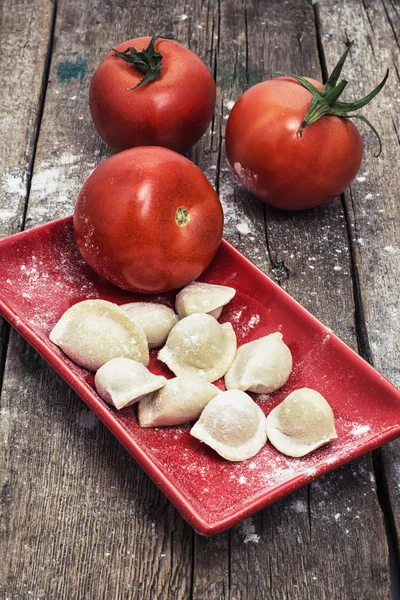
(148, 220)
(278, 165)
(173, 110)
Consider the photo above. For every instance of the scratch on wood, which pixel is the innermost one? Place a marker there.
(367, 15)
(364, 347)
(309, 507)
(391, 23)
(396, 69)
(45, 79)
(396, 131)
(279, 271)
(4, 337)
(246, 33)
(371, 45)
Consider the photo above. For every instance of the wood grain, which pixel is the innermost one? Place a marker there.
(25, 33)
(308, 254)
(372, 202)
(80, 518)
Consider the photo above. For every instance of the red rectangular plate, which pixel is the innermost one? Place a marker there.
(42, 274)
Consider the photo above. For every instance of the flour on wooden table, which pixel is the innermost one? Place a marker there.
(14, 184)
(13, 189)
(391, 249)
(248, 530)
(7, 215)
(55, 186)
(362, 178)
(299, 506)
(235, 216)
(86, 419)
(243, 228)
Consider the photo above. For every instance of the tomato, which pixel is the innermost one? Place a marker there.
(173, 109)
(148, 220)
(278, 165)
(290, 142)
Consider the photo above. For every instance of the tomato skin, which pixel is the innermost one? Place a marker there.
(125, 220)
(275, 163)
(172, 111)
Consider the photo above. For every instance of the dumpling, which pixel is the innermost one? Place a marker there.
(122, 382)
(233, 425)
(199, 345)
(261, 366)
(181, 400)
(200, 297)
(303, 422)
(156, 320)
(93, 332)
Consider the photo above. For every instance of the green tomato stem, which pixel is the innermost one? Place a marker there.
(148, 61)
(326, 101)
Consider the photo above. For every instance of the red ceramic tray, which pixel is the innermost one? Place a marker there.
(42, 274)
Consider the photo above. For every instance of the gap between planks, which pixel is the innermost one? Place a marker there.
(382, 484)
(5, 327)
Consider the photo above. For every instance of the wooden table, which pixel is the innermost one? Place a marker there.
(80, 520)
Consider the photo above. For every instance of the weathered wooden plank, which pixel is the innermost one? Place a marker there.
(308, 254)
(81, 518)
(211, 576)
(25, 34)
(25, 29)
(372, 203)
(74, 529)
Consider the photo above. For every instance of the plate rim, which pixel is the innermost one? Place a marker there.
(175, 496)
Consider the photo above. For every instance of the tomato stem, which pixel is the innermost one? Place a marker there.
(326, 101)
(182, 216)
(148, 61)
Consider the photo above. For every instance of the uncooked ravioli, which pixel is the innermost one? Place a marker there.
(301, 423)
(198, 297)
(156, 320)
(181, 400)
(122, 382)
(233, 425)
(199, 345)
(93, 332)
(261, 366)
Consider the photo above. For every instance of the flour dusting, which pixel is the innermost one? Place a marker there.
(55, 186)
(86, 419)
(14, 184)
(255, 319)
(300, 507)
(248, 531)
(360, 430)
(243, 228)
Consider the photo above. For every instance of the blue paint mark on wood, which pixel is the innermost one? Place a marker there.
(69, 70)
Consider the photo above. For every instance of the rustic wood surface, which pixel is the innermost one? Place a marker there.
(25, 38)
(372, 204)
(79, 518)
